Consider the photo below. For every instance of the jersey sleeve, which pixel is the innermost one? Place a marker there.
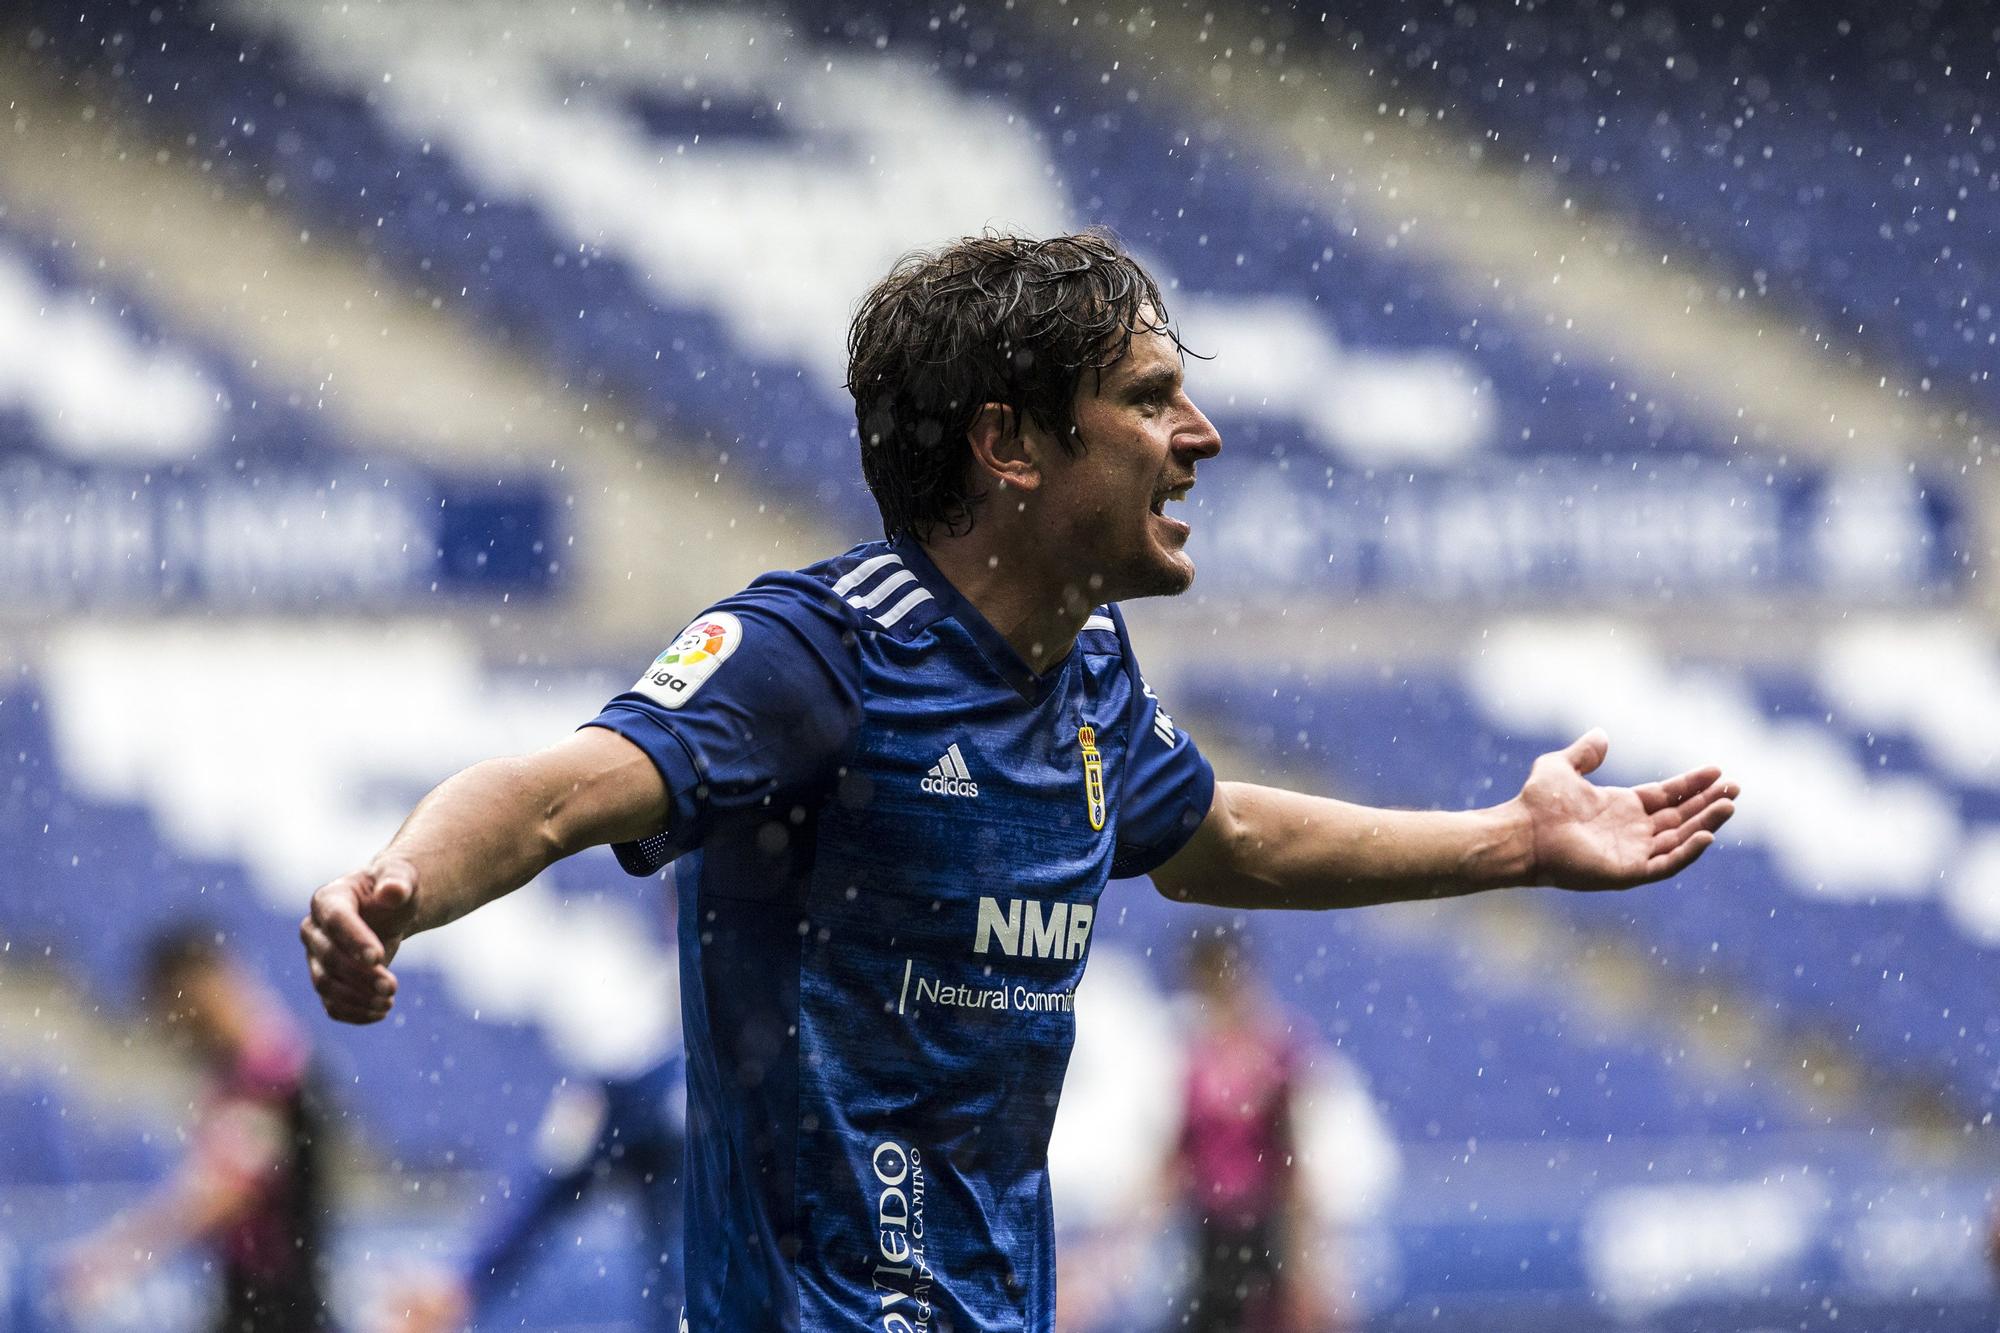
(758, 695)
(1168, 784)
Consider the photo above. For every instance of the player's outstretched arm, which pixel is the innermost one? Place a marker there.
(481, 834)
(1263, 847)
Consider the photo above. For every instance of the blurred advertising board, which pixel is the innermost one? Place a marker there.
(294, 535)
(1622, 528)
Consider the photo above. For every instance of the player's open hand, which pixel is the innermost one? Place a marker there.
(1592, 837)
(351, 935)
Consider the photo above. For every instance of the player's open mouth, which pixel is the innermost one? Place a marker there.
(1172, 496)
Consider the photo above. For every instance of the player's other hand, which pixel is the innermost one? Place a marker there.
(1589, 837)
(356, 924)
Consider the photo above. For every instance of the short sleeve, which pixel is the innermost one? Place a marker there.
(758, 695)
(1168, 785)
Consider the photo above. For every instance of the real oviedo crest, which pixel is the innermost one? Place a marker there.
(1093, 774)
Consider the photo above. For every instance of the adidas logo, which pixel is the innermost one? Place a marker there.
(949, 776)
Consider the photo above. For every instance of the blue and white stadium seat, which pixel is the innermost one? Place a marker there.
(142, 467)
(1819, 152)
(683, 205)
(1862, 905)
(132, 824)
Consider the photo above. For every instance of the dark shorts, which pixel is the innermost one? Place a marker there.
(287, 1304)
(1236, 1276)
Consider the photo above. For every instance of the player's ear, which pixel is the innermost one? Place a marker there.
(1003, 454)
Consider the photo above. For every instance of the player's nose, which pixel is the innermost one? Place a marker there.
(1201, 440)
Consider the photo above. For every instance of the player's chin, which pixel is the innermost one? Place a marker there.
(1169, 574)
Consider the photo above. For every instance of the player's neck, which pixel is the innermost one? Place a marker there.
(1037, 610)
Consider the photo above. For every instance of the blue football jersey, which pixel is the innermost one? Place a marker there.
(891, 839)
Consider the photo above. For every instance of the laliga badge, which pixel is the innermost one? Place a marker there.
(1093, 774)
(693, 657)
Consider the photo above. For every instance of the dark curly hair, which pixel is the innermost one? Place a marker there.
(986, 319)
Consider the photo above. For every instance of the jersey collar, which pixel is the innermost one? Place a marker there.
(992, 645)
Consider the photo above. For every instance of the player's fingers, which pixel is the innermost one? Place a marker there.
(336, 911)
(1705, 822)
(1712, 818)
(1587, 751)
(333, 991)
(391, 893)
(344, 1011)
(1668, 864)
(1674, 790)
(391, 889)
(319, 948)
(367, 983)
(337, 962)
(1674, 816)
(348, 1002)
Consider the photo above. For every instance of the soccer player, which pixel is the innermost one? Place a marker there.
(1236, 1165)
(896, 782)
(252, 1184)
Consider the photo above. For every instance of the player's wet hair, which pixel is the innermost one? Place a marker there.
(987, 319)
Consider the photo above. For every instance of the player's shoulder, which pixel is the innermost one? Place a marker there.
(866, 590)
(777, 617)
(875, 588)
(807, 599)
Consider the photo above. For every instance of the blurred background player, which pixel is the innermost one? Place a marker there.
(1235, 1167)
(625, 1135)
(252, 1185)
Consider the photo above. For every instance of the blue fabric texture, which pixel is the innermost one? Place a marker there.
(891, 840)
